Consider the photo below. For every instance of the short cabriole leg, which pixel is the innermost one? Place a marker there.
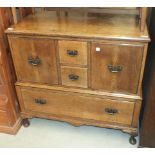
(132, 140)
(26, 122)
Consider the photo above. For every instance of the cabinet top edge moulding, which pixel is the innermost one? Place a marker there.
(89, 26)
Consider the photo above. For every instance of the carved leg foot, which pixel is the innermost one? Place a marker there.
(132, 140)
(26, 122)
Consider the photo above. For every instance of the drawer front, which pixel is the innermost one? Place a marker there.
(73, 52)
(3, 119)
(34, 59)
(74, 76)
(76, 105)
(116, 68)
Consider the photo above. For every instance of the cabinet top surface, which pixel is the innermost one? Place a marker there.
(103, 26)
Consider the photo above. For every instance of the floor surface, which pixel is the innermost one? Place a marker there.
(50, 134)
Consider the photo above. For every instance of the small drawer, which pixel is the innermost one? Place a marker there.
(74, 76)
(73, 52)
(77, 105)
(3, 118)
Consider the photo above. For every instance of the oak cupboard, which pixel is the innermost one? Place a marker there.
(10, 120)
(85, 69)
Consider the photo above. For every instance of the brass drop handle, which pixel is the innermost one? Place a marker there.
(73, 77)
(115, 69)
(34, 61)
(40, 101)
(111, 111)
(72, 53)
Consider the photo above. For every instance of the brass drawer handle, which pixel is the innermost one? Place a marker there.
(34, 61)
(72, 53)
(73, 77)
(40, 101)
(111, 111)
(115, 69)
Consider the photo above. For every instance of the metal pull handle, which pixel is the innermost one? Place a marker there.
(72, 52)
(73, 77)
(40, 101)
(111, 111)
(115, 69)
(34, 61)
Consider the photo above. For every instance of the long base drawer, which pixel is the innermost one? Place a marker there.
(76, 105)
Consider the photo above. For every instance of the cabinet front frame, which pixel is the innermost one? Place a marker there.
(89, 41)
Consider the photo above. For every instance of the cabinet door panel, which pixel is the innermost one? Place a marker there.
(34, 59)
(73, 52)
(116, 68)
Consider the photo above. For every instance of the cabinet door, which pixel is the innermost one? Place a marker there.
(116, 68)
(34, 59)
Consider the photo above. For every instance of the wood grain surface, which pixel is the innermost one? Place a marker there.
(44, 49)
(105, 26)
(76, 105)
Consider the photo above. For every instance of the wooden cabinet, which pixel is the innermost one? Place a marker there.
(87, 70)
(10, 120)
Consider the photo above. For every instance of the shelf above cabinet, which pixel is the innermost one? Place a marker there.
(81, 25)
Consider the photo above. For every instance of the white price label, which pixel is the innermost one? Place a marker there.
(98, 49)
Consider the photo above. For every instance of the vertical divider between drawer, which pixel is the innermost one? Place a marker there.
(58, 62)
